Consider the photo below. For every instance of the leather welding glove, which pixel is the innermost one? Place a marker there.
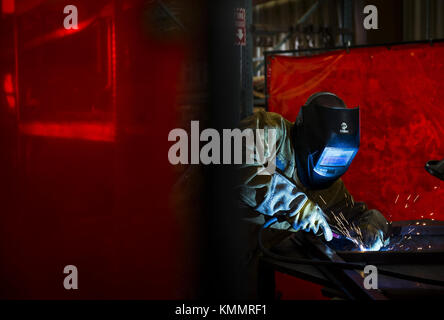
(374, 228)
(311, 218)
(293, 208)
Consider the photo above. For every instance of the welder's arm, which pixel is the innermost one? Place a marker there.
(254, 184)
(269, 192)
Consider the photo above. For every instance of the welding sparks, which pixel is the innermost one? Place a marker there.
(416, 198)
(322, 199)
(397, 197)
(344, 227)
(403, 242)
(409, 197)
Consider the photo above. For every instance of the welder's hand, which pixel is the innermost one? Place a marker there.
(311, 218)
(373, 238)
(374, 228)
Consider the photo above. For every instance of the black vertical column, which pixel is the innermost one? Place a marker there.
(222, 274)
(347, 21)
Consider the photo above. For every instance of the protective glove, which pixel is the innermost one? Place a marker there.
(311, 218)
(373, 238)
(374, 228)
(285, 200)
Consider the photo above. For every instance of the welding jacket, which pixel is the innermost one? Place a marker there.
(282, 191)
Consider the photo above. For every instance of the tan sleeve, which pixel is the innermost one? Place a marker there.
(272, 193)
(253, 186)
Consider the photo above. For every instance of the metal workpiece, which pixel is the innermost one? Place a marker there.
(415, 249)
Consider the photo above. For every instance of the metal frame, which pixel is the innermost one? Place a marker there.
(348, 282)
(345, 47)
(300, 21)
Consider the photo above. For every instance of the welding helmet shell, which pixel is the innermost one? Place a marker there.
(326, 138)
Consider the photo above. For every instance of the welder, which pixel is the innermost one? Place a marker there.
(305, 191)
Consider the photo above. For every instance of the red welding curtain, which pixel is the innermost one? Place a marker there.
(401, 95)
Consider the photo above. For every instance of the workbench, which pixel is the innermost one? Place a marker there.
(349, 284)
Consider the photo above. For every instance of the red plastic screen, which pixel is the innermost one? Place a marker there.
(400, 91)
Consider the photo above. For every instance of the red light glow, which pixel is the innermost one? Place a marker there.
(8, 87)
(11, 101)
(7, 84)
(57, 34)
(72, 130)
(8, 6)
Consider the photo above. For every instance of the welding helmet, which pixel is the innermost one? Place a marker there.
(326, 139)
